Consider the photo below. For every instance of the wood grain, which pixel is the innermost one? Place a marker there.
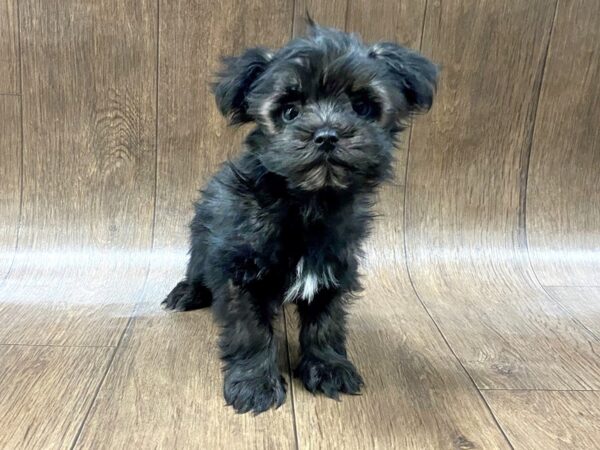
(89, 119)
(548, 420)
(9, 48)
(464, 202)
(46, 392)
(164, 389)
(563, 205)
(10, 179)
(397, 21)
(193, 137)
(89, 75)
(583, 303)
(330, 14)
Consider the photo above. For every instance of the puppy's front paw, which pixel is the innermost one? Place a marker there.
(254, 394)
(329, 377)
(186, 296)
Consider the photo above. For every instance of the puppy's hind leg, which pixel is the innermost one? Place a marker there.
(190, 293)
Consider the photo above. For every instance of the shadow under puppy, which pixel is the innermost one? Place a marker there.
(284, 222)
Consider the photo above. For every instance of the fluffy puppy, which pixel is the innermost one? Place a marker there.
(284, 222)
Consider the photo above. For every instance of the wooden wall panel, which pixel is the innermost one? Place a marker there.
(563, 204)
(465, 162)
(332, 14)
(89, 124)
(193, 137)
(463, 212)
(89, 121)
(9, 47)
(10, 134)
(10, 179)
(397, 21)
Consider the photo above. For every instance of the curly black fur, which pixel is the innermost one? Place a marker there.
(285, 220)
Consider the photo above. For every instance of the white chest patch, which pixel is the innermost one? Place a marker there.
(308, 282)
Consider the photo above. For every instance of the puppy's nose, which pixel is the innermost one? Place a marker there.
(326, 138)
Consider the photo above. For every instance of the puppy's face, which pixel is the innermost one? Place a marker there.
(327, 106)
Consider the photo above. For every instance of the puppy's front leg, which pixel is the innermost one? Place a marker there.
(324, 366)
(249, 350)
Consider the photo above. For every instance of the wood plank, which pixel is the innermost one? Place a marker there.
(193, 137)
(464, 206)
(89, 124)
(582, 302)
(10, 179)
(9, 48)
(397, 21)
(548, 420)
(413, 383)
(330, 14)
(164, 389)
(563, 205)
(46, 392)
(89, 100)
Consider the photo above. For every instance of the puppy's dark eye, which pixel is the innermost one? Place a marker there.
(363, 107)
(289, 113)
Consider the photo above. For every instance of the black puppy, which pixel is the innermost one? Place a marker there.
(284, 222)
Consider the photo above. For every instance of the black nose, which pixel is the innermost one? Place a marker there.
(326, 138)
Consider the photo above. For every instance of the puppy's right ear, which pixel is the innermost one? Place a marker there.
(234, 83)
(414, 75)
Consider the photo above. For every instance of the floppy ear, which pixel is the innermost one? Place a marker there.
(415, 75)
(234, 83)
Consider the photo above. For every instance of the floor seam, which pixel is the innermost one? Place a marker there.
(524, 207)
(537, 390)
(466, 372)
(98, 388)
(291, 373)
(128, 325)
(20, 344)
(563, 307)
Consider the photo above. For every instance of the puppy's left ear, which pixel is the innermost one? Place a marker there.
(413, 74)
(234, 83)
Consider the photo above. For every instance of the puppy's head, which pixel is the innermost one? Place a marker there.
(327, 106)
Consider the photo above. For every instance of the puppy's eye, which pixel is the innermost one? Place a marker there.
(289, 113)
(363, 107)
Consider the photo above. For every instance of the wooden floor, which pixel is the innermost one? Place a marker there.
(480, 324)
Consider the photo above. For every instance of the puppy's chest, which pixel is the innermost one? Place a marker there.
(317, 255)
(309, 277)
